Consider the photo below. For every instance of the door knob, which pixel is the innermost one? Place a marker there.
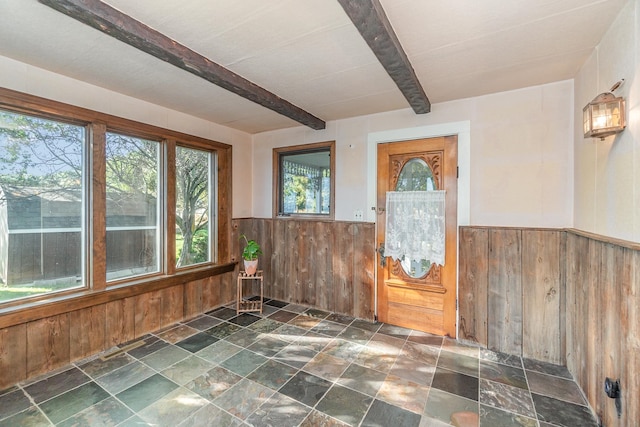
(383, 259)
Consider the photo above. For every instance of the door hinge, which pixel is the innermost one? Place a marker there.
(457, 171)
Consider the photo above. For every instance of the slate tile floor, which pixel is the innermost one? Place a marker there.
(295, 366)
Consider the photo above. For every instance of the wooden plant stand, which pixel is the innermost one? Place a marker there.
(242, 305)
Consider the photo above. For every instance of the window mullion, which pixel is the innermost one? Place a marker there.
(96, 217)
(170, 206)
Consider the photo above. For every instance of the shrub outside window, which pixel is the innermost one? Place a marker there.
(304, 178)
(42, 205)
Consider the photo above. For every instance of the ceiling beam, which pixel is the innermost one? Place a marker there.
(132, 32)
(369, 18)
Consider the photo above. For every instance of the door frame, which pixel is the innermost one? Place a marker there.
(463, 130)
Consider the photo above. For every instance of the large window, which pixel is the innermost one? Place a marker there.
(304, 180)
(91, 202)
(133, 232)
(42, 205)
(193, 206)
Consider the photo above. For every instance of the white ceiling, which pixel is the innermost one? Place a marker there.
(309, 53)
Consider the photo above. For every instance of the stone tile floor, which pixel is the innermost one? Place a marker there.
(295, 366)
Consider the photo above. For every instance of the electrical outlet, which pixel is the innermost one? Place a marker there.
(357, 215)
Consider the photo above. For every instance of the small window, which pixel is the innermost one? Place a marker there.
(305, 180)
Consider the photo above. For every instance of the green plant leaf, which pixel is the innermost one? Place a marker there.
(251, 250)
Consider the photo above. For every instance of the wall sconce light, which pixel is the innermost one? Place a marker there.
(604, 116)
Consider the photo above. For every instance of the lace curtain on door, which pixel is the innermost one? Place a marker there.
(415, 227)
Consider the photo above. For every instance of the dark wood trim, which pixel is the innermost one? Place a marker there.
(275, 175)
(224, 204)
(170, 214)
(370, 19)
(97, 264)
(110, 21)
(54, 306)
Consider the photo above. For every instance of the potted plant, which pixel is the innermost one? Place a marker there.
(250, 255)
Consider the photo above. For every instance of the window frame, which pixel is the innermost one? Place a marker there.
(278, 153)
(96, 126)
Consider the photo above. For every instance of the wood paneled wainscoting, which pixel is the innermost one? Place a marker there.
(510, 291)
(46, 336)
(603, 322)
(560, 296)
(325, 264)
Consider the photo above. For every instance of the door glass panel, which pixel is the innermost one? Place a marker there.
(416, 175)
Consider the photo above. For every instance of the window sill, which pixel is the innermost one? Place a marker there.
(305, 217)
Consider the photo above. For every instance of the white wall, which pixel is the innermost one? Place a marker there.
(607, 173)
(519, 155)
(518, 169)
(36, 81)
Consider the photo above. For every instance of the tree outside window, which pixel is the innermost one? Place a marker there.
(193, 206)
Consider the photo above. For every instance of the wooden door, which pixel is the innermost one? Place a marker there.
(420, 296)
